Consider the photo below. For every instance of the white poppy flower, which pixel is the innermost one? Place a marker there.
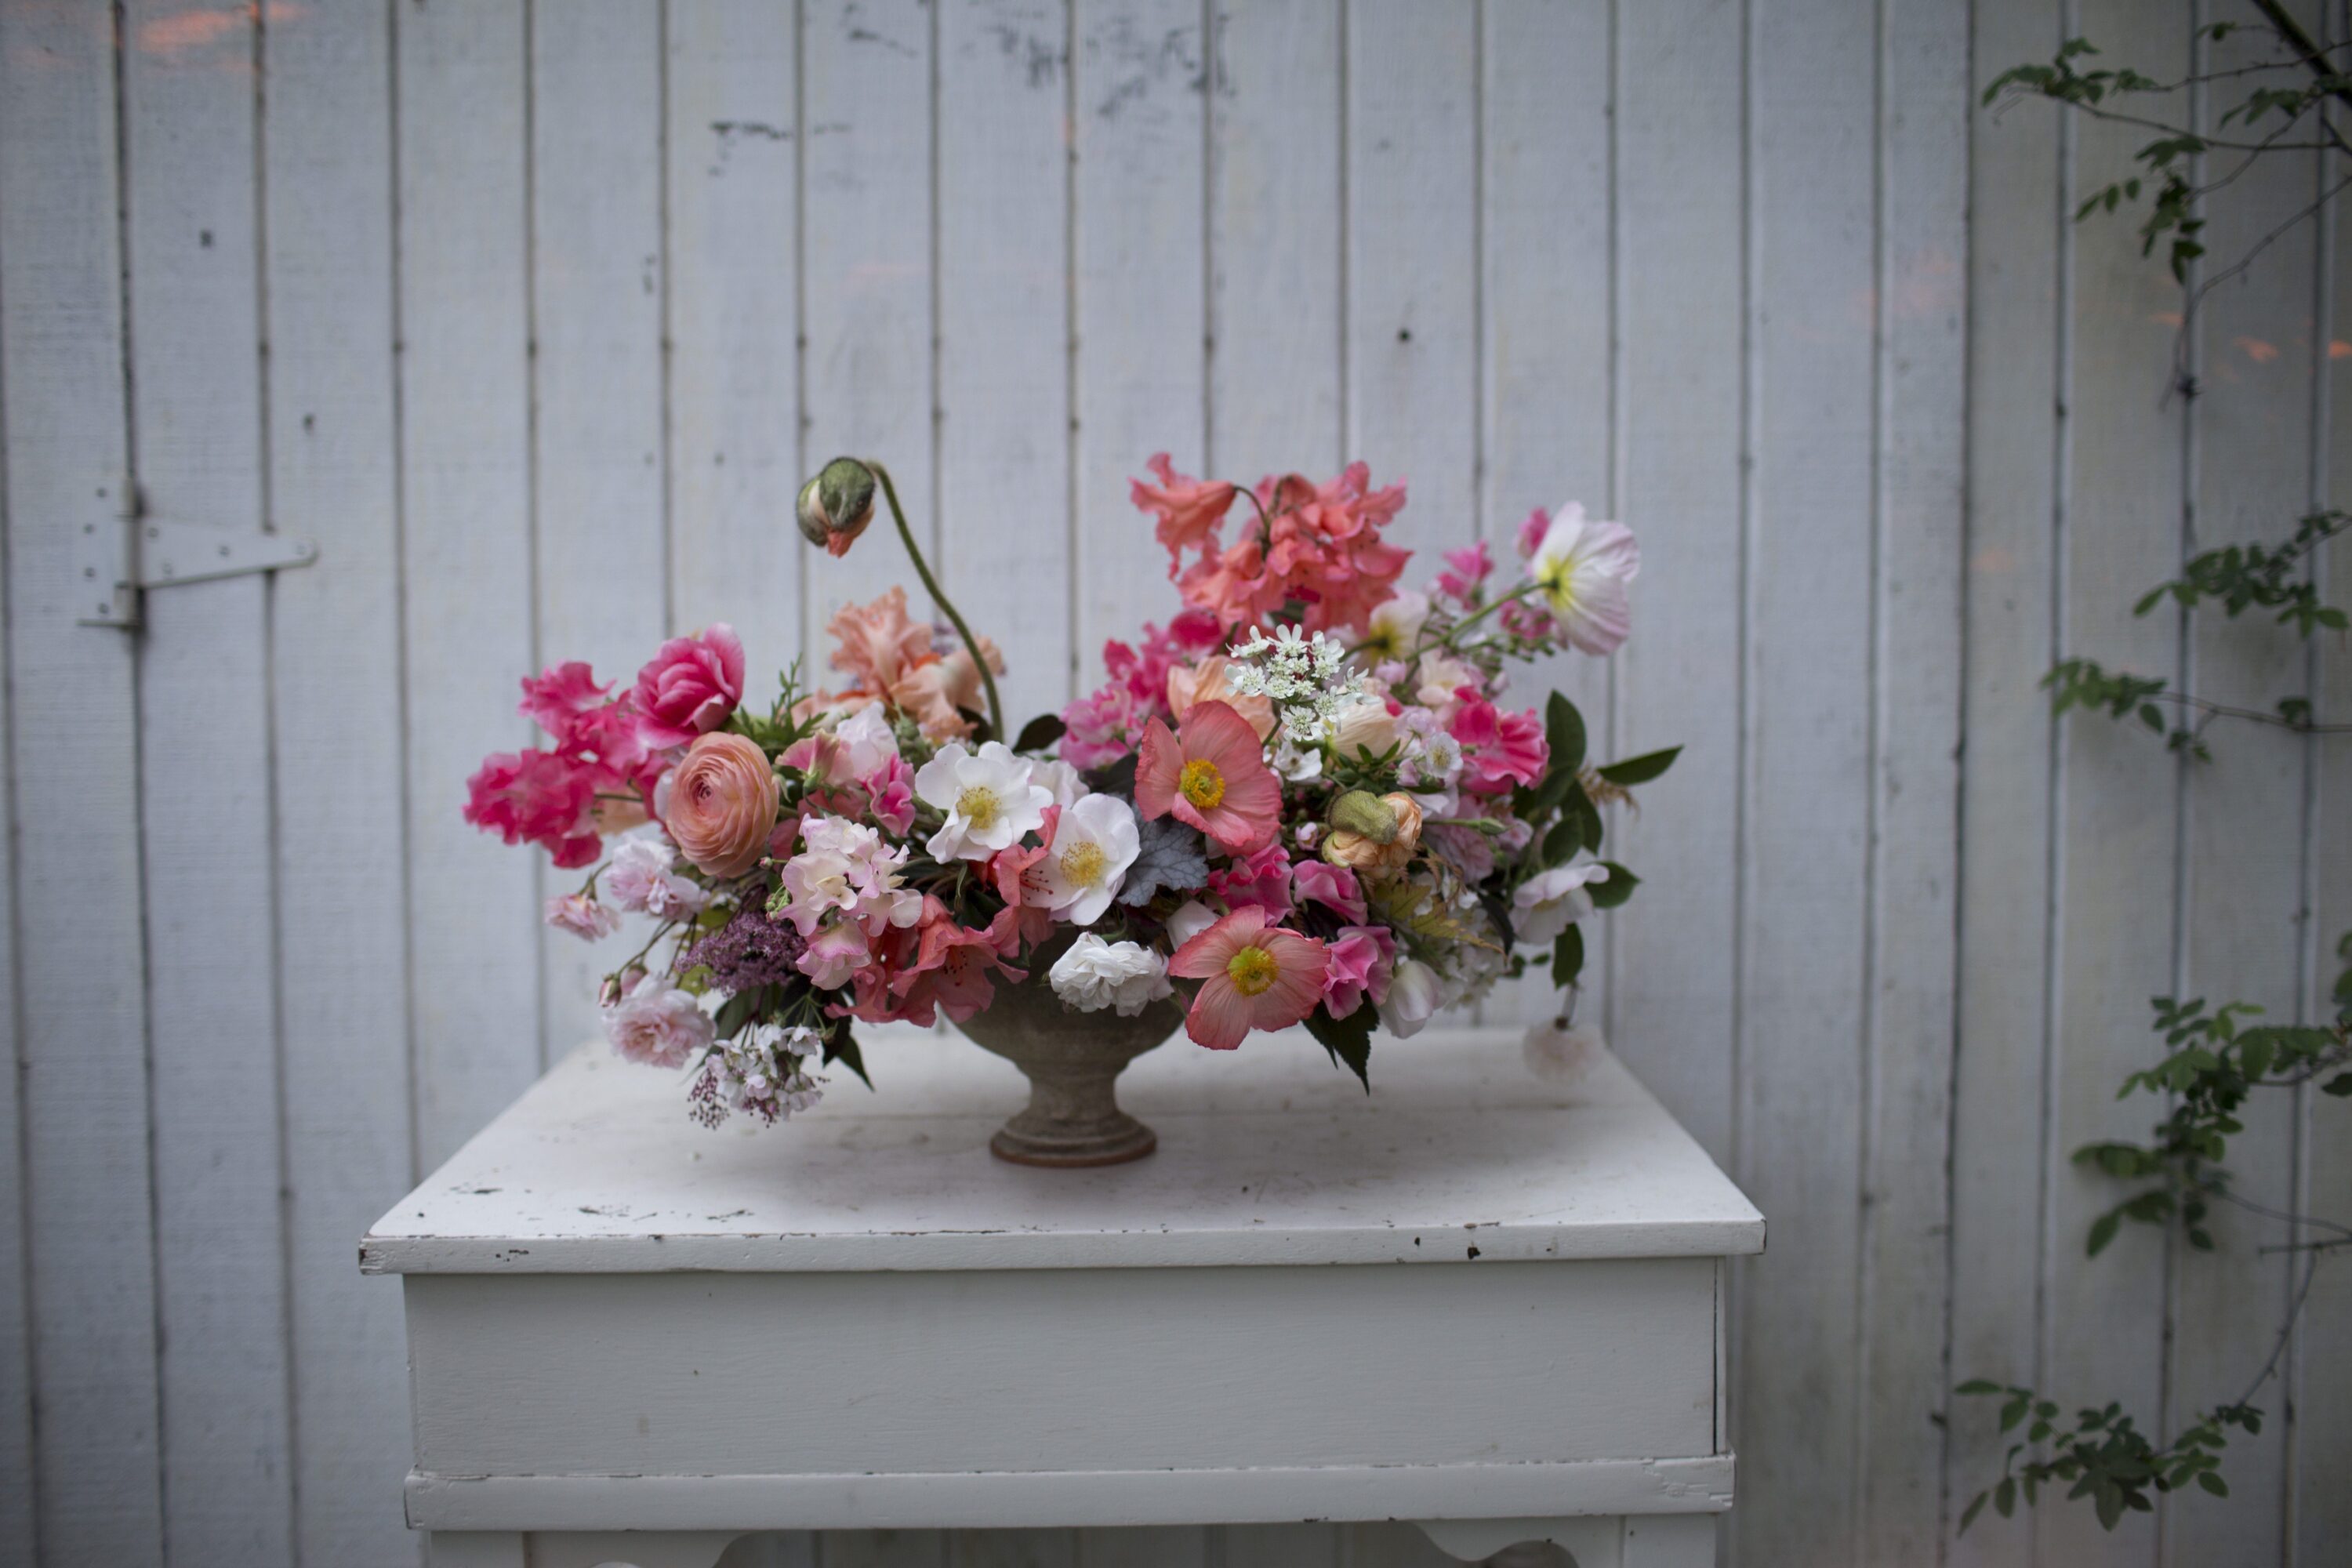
(1582, 566)
(992, 800)
(1094, 842)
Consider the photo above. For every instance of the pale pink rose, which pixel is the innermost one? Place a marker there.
(689, 687)
(722, 804)
(644, 877)
(582, 916)
(657, 1023)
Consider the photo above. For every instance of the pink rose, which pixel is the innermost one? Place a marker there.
(689, 687)
(656, 1024)
(582, 916)
(722, 805)
(1360, 962)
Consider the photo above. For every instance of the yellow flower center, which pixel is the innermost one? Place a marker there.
(978, 807)
(1083, 863)
(1252, 970)
(1201, 783)
(1555, 574)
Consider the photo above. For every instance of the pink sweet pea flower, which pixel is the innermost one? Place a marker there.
(1213, 775)
(1333, 887)
(836, 952)
(689, 687)
(557, 697)
(1189, 509)
(892, 787)
(1262, 880)
(1498, 749)
(1361, 960)
(1467, 569)
(1252, 976)
(1532, 531)
(954, 966)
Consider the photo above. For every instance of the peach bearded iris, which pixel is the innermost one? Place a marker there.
(1210, 773)
(1252, 976)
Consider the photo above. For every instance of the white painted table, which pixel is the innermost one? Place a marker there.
(1480, 1299)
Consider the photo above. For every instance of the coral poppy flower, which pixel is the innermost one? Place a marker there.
(1252, 976)
(1210, 773)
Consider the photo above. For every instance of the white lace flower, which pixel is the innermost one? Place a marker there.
(1306, 679)
(1094, 974)
(1095, 841)
(991, 800)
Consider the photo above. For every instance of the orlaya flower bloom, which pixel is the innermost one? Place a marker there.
(1254, 977)
(1584, 566)
(1086, 862)
(1212, 775)
(991, 800)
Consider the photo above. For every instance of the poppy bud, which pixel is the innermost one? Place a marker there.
(836, 506)
(1360, 811)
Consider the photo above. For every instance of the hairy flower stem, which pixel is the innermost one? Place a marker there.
(1474, 616)
(931, 586)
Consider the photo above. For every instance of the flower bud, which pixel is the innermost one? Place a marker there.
(1361, 812)
(1364, 853)
(836, 506)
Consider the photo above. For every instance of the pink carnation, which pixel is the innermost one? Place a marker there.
(537, 797)
(689, 687)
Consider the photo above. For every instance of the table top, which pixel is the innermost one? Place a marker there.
(1270, 1156)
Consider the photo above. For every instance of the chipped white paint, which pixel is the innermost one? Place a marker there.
(959, 1335)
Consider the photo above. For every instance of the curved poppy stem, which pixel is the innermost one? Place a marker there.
(931, 586)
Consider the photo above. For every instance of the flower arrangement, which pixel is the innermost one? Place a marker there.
(1301, 799)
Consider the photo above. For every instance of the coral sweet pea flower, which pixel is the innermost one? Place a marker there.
(1252, 976)
(1212, 774)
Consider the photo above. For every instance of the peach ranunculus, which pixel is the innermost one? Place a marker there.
(721, 804)
(1365, 854)
(1210, 680)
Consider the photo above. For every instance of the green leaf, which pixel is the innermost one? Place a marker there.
(1348, 1041)
(2213, 1483)
(1564, 732)
(841, 1046)
(1568, 957)
(1641, 770)
(1619, 888)
(738, 1010)
(2102, 1231)
(1040, 733)
(1590, 826)
(2004, 1497)
(1976, 1507)
(1560, 844)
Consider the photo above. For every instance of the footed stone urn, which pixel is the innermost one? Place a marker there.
(1072, 1061)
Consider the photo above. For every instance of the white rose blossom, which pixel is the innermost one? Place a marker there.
(1095, 841)
(991, 800)
(1094, 974)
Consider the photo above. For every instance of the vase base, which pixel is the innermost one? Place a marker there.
(1108, 1146)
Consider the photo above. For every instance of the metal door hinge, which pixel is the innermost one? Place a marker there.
(119, 557)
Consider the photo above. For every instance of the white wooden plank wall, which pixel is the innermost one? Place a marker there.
(535, 316)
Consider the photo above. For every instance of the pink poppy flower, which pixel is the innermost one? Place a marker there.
(1360, 962)
(1189, 509)
(1254, 977)
(1212, 774)
(689, 687)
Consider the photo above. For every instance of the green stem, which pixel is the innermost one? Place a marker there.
(931, 586)
(1474, 616)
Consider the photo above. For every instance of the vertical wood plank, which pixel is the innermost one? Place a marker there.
(1003, 173)
(465, 554)
(2319, 1505)
(596, 393)
(1809, 661)
(1139, 102)
(1411, 327)
(336, 692)
(194, 286)
(2119, 796)
(866, 252)
(2015, 355)
(1679, 249)
(73, 743)
(1546, 338)
(1152, 1546)
(18, 1502)
(1277, 215)
(1923, 130)
(1275, 1546)
(2245, 930)
(734, 384)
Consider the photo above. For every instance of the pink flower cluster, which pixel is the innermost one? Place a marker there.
(1109, 725)
(1315, 549)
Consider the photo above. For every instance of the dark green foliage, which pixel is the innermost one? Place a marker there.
(1348, 1039)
